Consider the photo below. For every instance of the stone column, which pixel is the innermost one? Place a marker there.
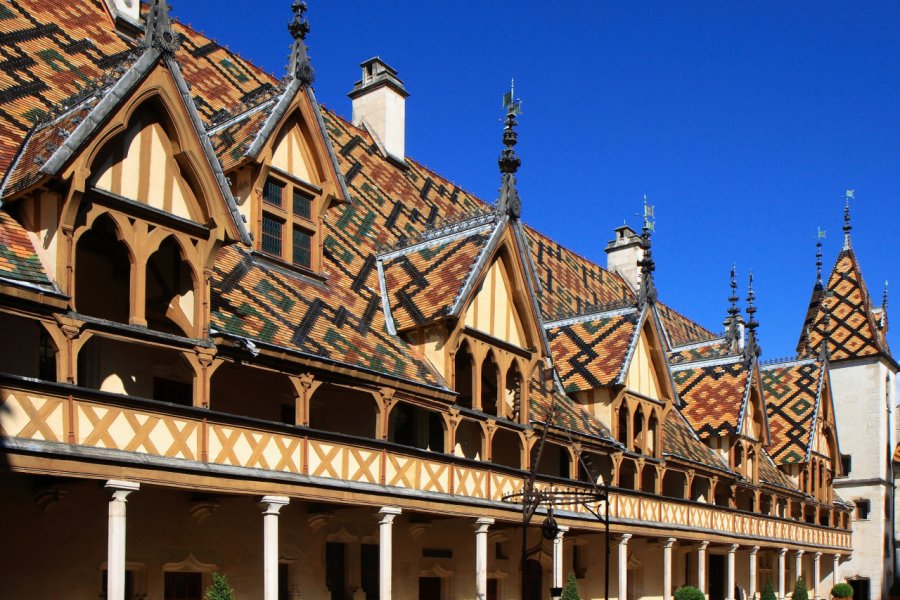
(481, 559)
(798, 565)
(836, 570)
(272, 505)
(115, 565)
(732, 550)
(558, 557)
(667, 568)
(817, 576)
(781, 558)
(623, 566)
(751, 589)
(701, 567)
(385, 550)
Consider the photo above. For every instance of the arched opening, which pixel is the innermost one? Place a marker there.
(751, 464)
(700, 490)
(738, 462)
(343, 410)
(597, 468)
(469, 438)
(722, 494)
(170, 291)
(638, 442)
(512, 395)
(534, 580)
(463, 367)
(490, 378)
(554, 461)
(622, 425)
(136, 370)
(417, 427)
(652, 434)
(506, 448)
(103, 273)
(35, 352)
(627, 474)
(648, 479)
(745, 500)
(250, 392)
(674, 484)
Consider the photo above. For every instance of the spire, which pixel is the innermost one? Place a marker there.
(647, 292)
(824, 348)
(734, 323)
(158, 31)
(752, 348)
(509, 162)
(884, 306)
(847, 226)
(300, 67)
(819, 237)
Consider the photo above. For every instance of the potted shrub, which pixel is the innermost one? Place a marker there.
(688, 592)
(571, 590)
(842, 590)
(800, 592)
(219, 590)
(768, 593)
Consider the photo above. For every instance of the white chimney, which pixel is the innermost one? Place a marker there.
(379, 104)
(129, 10)
(623, 254)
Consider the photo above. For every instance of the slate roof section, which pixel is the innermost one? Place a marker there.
(591, 353)
(18, 260)
(680, 441)
(713, 394)
(793, 398)
(424, 282)
(852, 330)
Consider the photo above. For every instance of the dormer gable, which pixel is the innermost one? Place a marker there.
(646, 370)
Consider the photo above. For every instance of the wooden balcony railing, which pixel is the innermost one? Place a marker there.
(77, 417)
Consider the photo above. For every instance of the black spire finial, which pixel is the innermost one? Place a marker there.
(752, 348)
(819, 237)
(824, 349)
(300, 67)
(847, 226)
(733, 322)
(647, 293)
(733, 310)
(158, 32)
(509, 161)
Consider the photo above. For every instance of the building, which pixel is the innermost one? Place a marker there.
(254, 338)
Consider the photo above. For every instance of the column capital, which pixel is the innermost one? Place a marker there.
(782, 552)
(733, 548)
(817, 556)
(561, 531)
(119, 489)
(482, 524)
(388, 513)
(754, 550)
(273, 504)
(669, 542)
(800, 553)
(703, 546)
(623, 540)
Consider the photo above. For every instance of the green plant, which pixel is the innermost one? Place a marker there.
(688, 592)
(768, 592)
(571, 590)
(219, 590)
(800, 592)
(842, 590)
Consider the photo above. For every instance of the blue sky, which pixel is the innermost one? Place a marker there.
(743, 123)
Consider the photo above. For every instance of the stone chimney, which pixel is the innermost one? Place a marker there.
(379, 104)
(128, 10)
(623, 254)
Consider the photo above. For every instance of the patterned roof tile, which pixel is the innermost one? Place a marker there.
(792, 397)
(18, 259)
(679, 440)
(681, 330)
(713, 395)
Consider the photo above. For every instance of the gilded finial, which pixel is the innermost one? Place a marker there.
(509, 161)
(847, 226)
(819, 237)
(158, 32)
(300, 66)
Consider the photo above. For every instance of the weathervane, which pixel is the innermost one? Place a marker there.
(509, 162)
(647, 292)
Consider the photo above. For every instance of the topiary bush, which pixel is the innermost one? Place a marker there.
(768, 593)
(800, 592)
(688, 592)
(842, 590)
(219, 590)
(571, 590)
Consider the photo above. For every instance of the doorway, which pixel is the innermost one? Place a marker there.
(717, 577)
(534, 580)
(183, 586)
(860, 589)
(430, 588)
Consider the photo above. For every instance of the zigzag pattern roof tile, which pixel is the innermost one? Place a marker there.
(792, 393)
(590, 354)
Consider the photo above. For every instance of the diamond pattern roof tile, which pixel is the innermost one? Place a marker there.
(792, 398)
(18, 259)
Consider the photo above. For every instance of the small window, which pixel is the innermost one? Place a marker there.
(302, 205)
(846, 464)
(273, 192)
(862, 509)
(271, 235)
(46, 357)
(302, 248)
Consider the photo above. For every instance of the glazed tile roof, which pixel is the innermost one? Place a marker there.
(792, 403)
(591, 353)
(713, 394)
(772, 475)
(679, 440)
(18, 259)
(568, 414)
(424, 282)
(233, 138)
(342, 321)
(715, 348)
(852, 329)
(680, 330)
